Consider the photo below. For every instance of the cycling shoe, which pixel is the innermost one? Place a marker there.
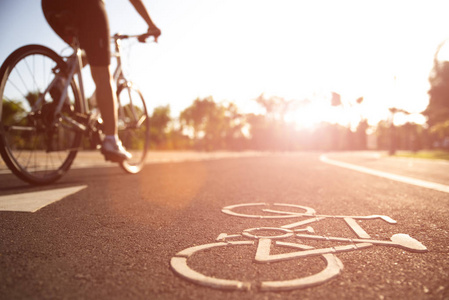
(114, 151)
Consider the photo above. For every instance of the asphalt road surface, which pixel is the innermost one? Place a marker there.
(117, 236)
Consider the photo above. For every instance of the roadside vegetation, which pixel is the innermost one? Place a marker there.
(437, 154)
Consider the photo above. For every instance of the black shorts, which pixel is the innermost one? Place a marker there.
(86, 19)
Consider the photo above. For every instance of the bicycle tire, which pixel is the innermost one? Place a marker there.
(32, 149)
(133, 126)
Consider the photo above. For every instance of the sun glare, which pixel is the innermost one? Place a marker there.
(236, 50)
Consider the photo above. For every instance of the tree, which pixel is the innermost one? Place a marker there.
(159, 122)
(438, 109)
(12, 112)
(330, 137)
(275, 107)
(383, 134)
(195, 117)
(271, 131)
(360, 135)
(336, 99)
(409, 136)
(234, 121)
(212, 125)
(260, 133)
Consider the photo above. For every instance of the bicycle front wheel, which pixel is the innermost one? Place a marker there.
(35, 148)
(133, 126)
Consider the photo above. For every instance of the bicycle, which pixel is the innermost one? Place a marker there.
(41, 131)
(266, 246)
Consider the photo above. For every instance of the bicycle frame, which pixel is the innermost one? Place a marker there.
(74, 63)
(118, 76)
(74, 67)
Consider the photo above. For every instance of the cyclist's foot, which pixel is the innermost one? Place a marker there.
(113, 150)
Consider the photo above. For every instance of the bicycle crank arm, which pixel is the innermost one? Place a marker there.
(77, 126)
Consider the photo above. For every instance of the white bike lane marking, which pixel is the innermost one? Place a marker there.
(33, 201)
(264, 245)
(404, 179)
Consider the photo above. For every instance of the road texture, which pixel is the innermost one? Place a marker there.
(115, 238)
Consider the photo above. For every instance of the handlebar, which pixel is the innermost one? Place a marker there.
(140, 37)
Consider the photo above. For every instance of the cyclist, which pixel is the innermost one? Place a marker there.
(88, 21)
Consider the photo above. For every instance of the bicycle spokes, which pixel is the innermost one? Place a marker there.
(36, 144)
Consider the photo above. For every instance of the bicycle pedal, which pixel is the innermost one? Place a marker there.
(112, 157)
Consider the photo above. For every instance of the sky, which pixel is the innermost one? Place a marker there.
(235, 50)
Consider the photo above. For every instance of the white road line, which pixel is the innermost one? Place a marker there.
(413, 181)
(32, 202)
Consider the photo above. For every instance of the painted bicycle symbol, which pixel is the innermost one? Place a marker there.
(299, 230)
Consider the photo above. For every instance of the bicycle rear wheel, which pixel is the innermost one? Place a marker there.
(36, 149)
(133, 126)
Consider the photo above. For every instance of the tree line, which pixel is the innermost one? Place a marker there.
(208, 125)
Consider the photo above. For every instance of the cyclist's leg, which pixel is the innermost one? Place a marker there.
(93, 31)
(106, 98)
(94, 37)
(107, 103)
